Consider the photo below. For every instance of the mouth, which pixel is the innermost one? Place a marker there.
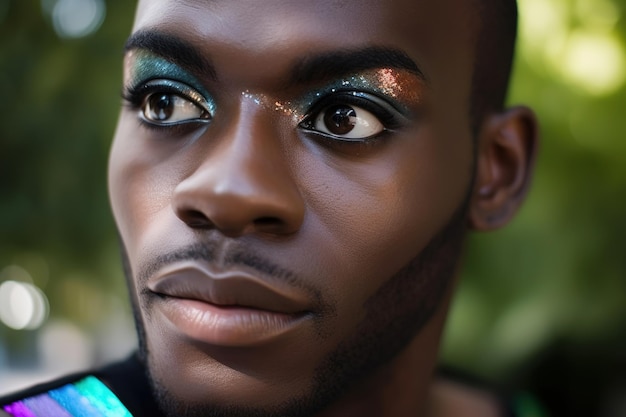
(227, 308)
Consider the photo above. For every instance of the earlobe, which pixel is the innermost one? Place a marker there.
(506, 149)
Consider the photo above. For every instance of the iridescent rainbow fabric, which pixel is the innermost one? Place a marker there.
(88, 397)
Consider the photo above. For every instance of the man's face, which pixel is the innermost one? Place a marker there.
(289, 180)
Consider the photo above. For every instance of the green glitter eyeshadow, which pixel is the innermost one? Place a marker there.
(146, 66)
(370, 82)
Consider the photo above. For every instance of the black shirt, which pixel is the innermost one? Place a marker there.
(120, 389)
(123, 390)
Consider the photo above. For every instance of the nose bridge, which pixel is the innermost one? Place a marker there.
(250, 160)
(244, 183)
(251, 155)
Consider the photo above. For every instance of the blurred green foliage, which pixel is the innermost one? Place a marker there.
(542, 303)
(60, 99)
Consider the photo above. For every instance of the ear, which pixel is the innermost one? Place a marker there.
(506, 150)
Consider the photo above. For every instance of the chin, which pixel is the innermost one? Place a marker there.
(241, 397)
(194, 381)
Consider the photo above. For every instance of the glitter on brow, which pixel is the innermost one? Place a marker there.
(394, 84)
(388, 82)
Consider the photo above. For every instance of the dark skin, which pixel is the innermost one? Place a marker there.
(317, 261)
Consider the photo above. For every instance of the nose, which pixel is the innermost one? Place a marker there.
(243, 184)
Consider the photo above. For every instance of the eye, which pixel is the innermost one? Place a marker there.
(168, 108)
(351, 117)
(348, 122)
(165, 103)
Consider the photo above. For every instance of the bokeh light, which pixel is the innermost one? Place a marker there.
(77, 18)
(593, 61)
(577, 41)
(22, 305)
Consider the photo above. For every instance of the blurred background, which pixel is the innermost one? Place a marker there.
(542, 304)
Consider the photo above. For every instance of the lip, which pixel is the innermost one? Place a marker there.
(226, 308)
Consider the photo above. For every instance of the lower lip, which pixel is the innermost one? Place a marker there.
(227, 326)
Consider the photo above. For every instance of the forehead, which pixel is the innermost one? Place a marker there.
(242, 34)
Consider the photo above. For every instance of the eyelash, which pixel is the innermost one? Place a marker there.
(388, 115)
(135, 97)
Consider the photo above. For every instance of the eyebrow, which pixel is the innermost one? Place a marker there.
(308, 70)
(172, 48)
(344, 62)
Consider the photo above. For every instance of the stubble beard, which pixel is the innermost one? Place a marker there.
(395, 314)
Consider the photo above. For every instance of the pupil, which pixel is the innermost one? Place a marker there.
(161, 107)
(340, 119)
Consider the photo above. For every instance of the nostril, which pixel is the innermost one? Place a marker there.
(266, 221)
(195, 219)
(268, 224)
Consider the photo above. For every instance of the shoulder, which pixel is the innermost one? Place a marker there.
(121, 387)
(42, 388)
(79, 394)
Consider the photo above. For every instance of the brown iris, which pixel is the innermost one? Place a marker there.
(340, 119)
(160, 107)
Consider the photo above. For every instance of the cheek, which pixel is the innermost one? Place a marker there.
(377, 215)
(140, 189)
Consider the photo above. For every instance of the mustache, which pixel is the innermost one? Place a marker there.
(209, 252)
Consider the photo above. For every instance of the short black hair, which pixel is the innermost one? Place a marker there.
(495, 48)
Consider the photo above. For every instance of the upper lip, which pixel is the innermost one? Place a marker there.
(227, 289)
